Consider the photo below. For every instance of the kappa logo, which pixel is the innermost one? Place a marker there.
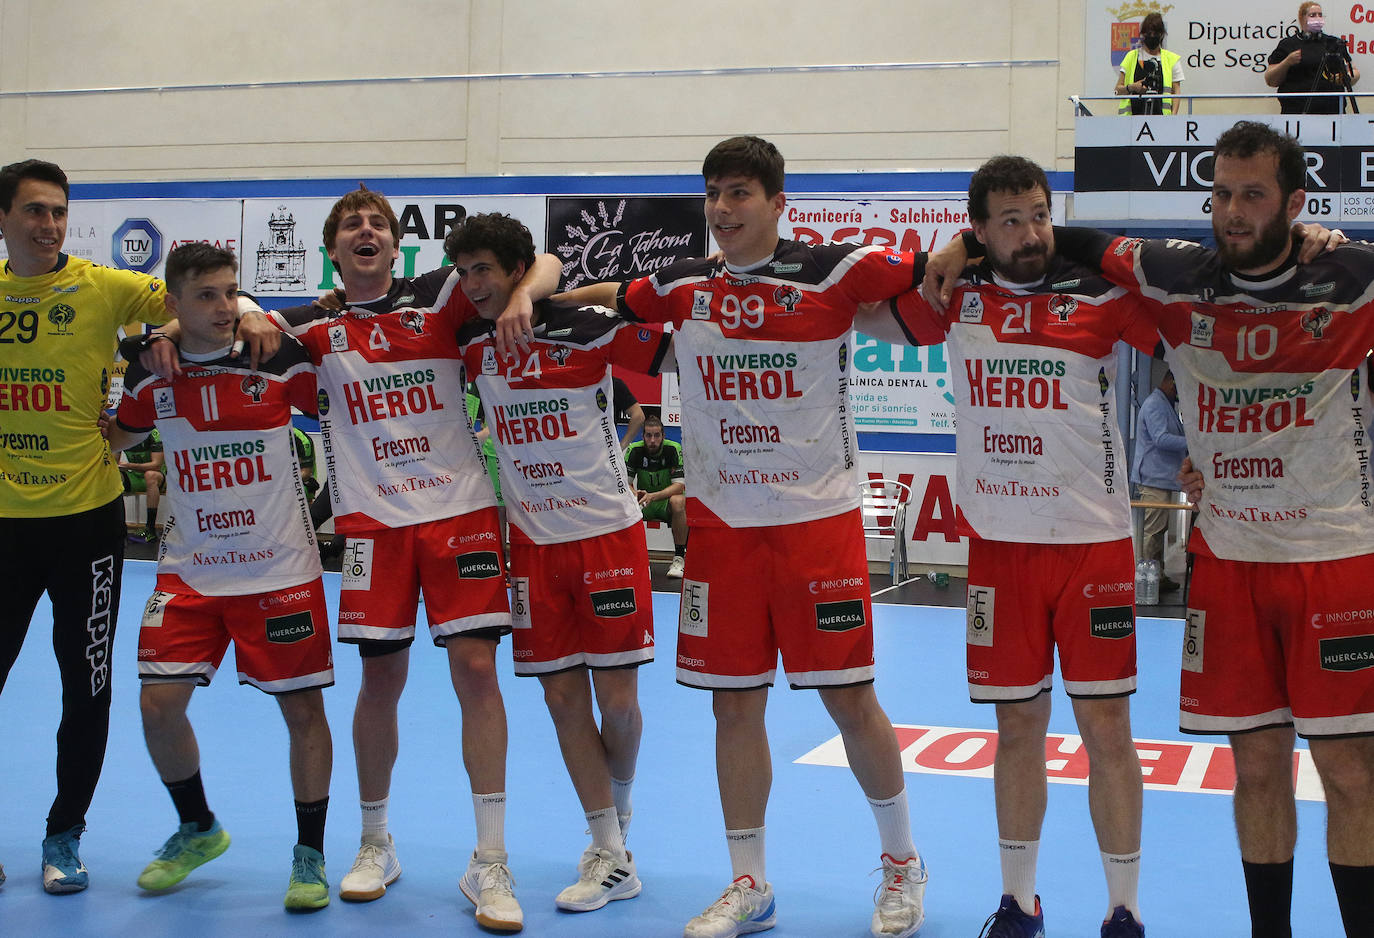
(414, 320)
(787, 296)
(971, 309)
(255, 386)
(1063, 306)
(1204, 328)
(289, 629)
(701, 304)
(1314, 321)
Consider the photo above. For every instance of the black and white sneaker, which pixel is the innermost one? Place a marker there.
(602, 877)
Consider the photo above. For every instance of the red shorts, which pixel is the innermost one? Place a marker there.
(456, 561)
(801, 589)
(1269, 644)
(1026, 599)
(281, 639)
(583, 603)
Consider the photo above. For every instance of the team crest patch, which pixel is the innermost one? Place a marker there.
(701, 304)
(971, 309)
(489, 366)
(982, 602)
(520, 603)
(787, 296)
(1204, 327)
(1314, 321)
(691, 618)
(164, 402)
(414, 320)
(255, 386)
(338, 338)
(560, 353)
(62, 316)
(1062, 306)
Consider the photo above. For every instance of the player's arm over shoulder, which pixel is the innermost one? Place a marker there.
(135, 297)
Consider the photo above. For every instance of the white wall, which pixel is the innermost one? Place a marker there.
(838, 120)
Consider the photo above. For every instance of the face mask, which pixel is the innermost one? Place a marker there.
(1315, 24)
(1151, 41)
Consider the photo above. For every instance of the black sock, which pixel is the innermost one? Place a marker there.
(310, 822)
(680, 550)
(188, 796)
(152, 519)
(1355, 894)
(1269, 887)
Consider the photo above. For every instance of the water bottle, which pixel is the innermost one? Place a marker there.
(1140, 582)
(1151, 583)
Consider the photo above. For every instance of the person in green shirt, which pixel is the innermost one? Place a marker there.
(656, 464)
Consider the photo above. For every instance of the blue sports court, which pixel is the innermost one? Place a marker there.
(822, 842)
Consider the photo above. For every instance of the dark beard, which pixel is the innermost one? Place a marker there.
(1271, 244)
(1025, 266)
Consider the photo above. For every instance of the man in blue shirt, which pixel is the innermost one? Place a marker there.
(1160, 450)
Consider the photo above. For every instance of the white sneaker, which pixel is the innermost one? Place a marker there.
(675, 568)
(743, 908)
(898, 902)
(375, 869)
(489, 886)
(601, 877)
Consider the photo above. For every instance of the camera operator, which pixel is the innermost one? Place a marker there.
(1310, 61)
(1144, 70)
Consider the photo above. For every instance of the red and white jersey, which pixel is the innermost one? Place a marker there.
(1041, 459)
(763, 362)
(552, 418)
(1272, 391)
(398, 444)
(238, 520)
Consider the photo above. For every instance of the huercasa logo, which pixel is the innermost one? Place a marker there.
(479, 565)
(612, 604)
(840, 616)
(1351, 653)
(284, 630)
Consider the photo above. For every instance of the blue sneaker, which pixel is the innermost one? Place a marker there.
(63, 870)
(1010, 922)
(1122, 924)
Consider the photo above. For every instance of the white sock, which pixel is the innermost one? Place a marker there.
(605, 827)
(746, 853)
(894, 825)
(490, 811)
(374, 821)
(1123, 881)
(620, 792)
(1018, 871)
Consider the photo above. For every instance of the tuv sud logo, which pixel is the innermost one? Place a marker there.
(614, 238)
(136, 245)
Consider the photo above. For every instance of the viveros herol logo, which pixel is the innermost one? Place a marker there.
(136, 245)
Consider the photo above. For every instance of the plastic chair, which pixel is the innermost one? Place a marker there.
(884, 517)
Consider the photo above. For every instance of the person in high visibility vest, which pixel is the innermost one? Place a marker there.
(1150, 72)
